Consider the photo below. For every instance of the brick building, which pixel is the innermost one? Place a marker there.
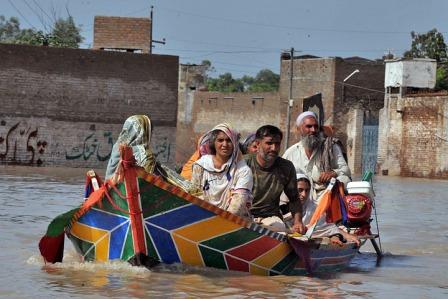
(413, 139)
(200, 110)
(122, 34)
(346, 93)
(66, 107)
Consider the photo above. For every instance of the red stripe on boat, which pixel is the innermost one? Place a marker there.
(255, 248)
(236, 265)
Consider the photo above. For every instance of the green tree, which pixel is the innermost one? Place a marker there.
(265, 80)
(64, 33)
(430, 45)
(442, 78)
(225, 83)
(9, 29)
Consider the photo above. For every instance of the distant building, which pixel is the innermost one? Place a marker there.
(413, 131)
(200, 110)
(122, 34)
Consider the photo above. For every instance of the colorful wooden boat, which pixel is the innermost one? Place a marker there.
(145, 218)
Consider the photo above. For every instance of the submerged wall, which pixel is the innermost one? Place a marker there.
(66, 107)
(413, 138)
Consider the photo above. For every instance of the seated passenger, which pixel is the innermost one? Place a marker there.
(222, 175)
(249, 145)
(317, 156)
(309, 204)
(137, 133)
(272, 176)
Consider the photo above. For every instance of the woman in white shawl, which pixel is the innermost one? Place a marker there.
(223, 176)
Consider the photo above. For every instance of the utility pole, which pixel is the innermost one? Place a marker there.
(151, 40)
(290, 101)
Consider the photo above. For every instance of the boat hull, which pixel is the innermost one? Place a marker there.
(157, 220)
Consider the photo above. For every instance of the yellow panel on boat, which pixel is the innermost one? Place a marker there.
(188, 251)
(102, 249)
(207, 229)
(273, 256)
(94, 235)
(258, 271)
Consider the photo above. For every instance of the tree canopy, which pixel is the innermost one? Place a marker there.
(265, 80)
(431, 45)
(64, 33)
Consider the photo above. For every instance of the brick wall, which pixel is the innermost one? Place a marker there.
(310, 76)
(122, 33)
(414, 137)
(246, 112)
(68, 105)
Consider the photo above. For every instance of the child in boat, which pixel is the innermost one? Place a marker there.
(322, 229)
(222, 175)
(249, 144)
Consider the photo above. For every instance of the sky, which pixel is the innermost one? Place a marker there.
(244, 36)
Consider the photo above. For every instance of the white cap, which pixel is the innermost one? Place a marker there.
(303, 115)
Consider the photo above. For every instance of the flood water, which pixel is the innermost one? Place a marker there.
(413, 220)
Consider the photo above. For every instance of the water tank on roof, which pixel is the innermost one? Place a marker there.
(416, 72)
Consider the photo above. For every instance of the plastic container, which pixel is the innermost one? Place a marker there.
(360, 187)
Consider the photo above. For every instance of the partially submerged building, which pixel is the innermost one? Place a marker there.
(413, 139)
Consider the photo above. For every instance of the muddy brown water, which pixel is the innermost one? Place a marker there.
(413, 220)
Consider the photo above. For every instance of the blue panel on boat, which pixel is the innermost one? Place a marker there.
(322, 253)
(164, 244)
(117, 239)
(101, 219)
(180, 217)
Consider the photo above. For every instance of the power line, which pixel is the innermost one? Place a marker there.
(359, 87)
(224, 51)
(235, 64)
(41, 20)
(37, 4)
(18, 11)
(222, 45)
(283, 26)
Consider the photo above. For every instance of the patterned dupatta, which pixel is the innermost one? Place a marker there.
(231, 167)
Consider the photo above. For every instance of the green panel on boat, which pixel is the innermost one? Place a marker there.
(82, 247)
(151, 248)
(156, 200)
(213, 258)
(287, 263)
(120, 202)
(232, 239)
(128, 250)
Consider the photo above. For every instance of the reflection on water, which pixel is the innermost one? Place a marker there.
(412, 222)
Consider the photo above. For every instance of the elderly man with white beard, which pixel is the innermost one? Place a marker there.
(316, 156)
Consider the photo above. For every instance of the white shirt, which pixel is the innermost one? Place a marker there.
(214, 182)
(310, 166)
